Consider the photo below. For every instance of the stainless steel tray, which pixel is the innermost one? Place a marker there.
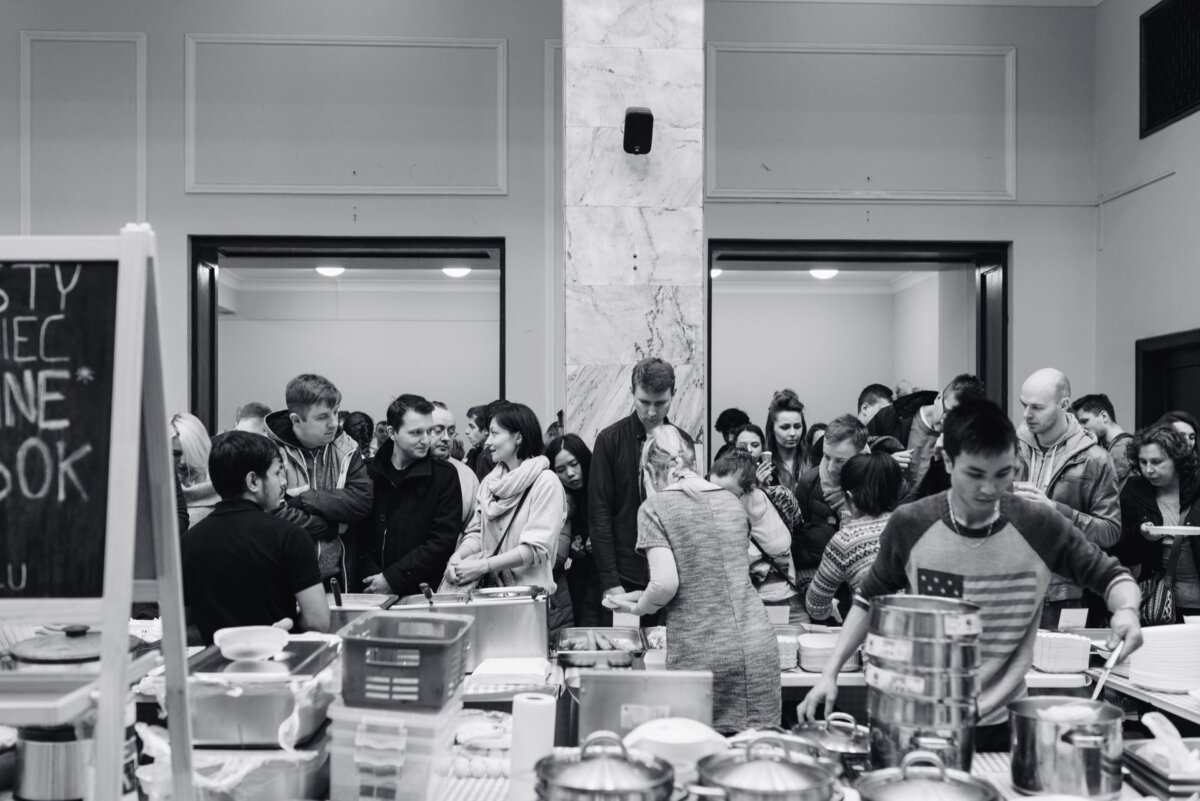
(632, 639)
(1155, 773)
(299, 658)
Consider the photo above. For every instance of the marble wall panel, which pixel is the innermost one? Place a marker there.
(598, 172)
(598, 395)
(601, 82)
(634, 245)
(633, 23)
(623, 324)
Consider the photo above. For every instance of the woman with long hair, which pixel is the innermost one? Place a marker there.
(190, 445)
(513, 538)
(1163, 489)
(571, 460)
(786, 431)
(693, 534)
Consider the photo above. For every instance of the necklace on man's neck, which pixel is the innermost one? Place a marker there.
(991, 524)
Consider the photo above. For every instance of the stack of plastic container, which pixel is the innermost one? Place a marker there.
(402, 690)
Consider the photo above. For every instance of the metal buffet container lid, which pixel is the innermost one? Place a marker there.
(763, 768)
(922, 776)
(604, 765)
(838, 734)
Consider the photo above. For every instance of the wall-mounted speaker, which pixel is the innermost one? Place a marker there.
(639, 130)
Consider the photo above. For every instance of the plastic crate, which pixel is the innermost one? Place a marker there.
(364, 772)
(419, 734)
(393, 660)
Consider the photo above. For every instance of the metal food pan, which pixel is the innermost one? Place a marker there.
(631, 638)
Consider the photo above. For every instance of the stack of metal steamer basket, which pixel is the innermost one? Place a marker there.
(922, 657)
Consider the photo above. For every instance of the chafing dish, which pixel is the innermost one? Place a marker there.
(509, 621)
(585, 647)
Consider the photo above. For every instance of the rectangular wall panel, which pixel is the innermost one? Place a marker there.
(801, 121)
(333, 115)
(83, 131)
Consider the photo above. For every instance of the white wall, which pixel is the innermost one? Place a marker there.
(84, 111)
(1052, 222)
(824, 345)
(915, 340)
(373, 344)
(956, 324)
(89, 182)
(1148, 274)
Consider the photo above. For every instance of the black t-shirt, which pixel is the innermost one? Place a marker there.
(243, 567)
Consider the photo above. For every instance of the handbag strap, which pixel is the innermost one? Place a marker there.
(1173, 559)
(513, 520)
(771, 566)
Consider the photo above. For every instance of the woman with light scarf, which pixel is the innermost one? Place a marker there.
(513, 539)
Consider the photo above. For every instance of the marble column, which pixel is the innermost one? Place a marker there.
(634, 233)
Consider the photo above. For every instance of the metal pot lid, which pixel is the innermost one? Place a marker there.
(603, 764)
(838, 734)
(761, 768)
(73, 645)
(922, 777)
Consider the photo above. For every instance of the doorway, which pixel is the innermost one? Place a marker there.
(827, 318)
(1168, 375)
(377, 316)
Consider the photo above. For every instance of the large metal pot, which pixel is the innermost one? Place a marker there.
(923, 617)
(1070, 756)
(603, 770)
(74, 648)
(764, 771)
(842, 738)
(900, 725)
(921, 776)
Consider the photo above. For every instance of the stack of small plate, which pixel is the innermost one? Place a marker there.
(1167, 662)
(1056, 652)
(816, 649)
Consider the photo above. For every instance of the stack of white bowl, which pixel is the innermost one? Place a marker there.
(1167, 662)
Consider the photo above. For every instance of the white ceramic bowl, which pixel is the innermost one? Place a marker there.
(250, 642)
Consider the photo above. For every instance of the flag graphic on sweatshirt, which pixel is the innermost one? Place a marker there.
(1008, 602)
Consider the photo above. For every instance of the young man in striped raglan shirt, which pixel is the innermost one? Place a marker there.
(982, 544)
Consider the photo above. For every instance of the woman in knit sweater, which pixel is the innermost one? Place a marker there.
(871, 483)
(513, 539)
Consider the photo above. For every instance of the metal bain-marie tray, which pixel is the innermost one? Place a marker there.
(600, 647)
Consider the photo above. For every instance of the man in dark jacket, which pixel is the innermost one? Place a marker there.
(327, 484)
(615, 488)
(417, 509)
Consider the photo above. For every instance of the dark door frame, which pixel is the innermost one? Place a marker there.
(1147, 352)
(983, 256)
(204, 251)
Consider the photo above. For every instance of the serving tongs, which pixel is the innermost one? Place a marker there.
(1109, 664)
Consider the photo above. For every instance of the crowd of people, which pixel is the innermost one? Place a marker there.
(810, 520)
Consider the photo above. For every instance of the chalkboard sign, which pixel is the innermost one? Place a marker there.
(57, 333)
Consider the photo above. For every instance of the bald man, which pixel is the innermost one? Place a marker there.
(1061, 465)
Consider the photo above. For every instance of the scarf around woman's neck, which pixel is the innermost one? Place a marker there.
(509, 485)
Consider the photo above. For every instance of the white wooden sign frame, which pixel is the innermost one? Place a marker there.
(138, 430)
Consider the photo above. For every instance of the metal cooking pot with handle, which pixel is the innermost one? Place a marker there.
(842, 737)
(921, 776)
(604, 770)
(1072, 755)
(764, 771)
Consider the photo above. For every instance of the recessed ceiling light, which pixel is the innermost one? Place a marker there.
(331, 271)
(715, 272)
(823, 274)
(456, 272)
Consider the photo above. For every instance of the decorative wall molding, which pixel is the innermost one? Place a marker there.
(193, 184)
(28, 38)
(1008, 194)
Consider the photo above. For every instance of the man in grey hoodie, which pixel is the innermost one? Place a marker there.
(1061, 465)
